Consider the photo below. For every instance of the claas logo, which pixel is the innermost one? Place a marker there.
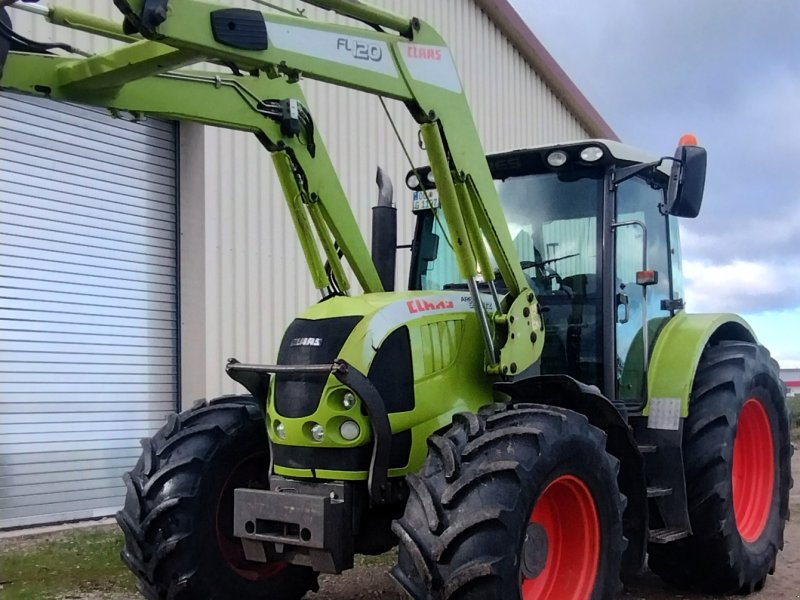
(423, 305)
(424, 52)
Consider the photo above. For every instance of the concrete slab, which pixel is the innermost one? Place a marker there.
(27, 532)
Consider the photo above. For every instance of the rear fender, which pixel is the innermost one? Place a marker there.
(565, 392)
(678, 349)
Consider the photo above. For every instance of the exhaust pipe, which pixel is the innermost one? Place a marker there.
(384, 232)
(5, 41)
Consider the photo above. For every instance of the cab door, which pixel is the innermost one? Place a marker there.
(638, 217)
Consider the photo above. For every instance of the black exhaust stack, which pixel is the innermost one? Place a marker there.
(384, 232)
(5, 37)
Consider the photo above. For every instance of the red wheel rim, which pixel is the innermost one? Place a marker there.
(247, 473)
(568, 513)
(753, 470)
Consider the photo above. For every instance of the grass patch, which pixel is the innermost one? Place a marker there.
(384, 560)
(83, 561)
(66, 565)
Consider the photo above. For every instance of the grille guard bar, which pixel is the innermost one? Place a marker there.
(256, 379)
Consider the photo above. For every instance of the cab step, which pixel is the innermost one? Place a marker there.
(648, 449)
(657, 492)
(667, 535)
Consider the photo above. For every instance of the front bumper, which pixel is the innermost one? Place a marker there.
(302, 523)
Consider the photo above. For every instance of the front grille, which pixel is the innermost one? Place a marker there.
(308, 342)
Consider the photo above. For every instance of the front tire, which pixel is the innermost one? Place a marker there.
(178, 513)
(737, 457)
(516, 502)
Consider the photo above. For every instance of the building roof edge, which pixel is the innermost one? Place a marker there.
(505, 16)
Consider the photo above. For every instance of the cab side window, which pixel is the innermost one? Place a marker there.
(638, 201)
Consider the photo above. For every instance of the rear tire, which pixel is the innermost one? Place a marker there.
(178, 513)
(497, 479)
(737, 456)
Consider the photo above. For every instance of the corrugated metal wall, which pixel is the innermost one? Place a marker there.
(88, 294)
(255, 279)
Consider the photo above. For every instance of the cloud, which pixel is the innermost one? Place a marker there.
(771, 238)
(787, 362)
(779, 331)
(740, 286)
(727, 70)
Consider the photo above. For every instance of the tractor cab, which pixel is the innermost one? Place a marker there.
(595, 227)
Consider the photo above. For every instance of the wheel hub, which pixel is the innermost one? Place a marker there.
(535, 549)
(565, 536)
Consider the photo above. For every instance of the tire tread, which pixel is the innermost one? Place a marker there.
(715, 559)
(453, 541)
(160, 512)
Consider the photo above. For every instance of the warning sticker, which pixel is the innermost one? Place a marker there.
(665, 413)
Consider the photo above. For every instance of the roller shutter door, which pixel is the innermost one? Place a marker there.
(88, 286)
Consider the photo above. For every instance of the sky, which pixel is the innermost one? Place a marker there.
(728, 71)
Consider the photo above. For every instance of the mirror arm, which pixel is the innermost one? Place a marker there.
(623, 174)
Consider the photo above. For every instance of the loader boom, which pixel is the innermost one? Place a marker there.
(413, 65)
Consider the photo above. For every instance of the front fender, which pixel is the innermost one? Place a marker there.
(678, 350)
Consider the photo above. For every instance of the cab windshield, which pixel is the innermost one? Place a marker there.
(555, 223)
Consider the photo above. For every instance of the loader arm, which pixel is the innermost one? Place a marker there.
(412, 65)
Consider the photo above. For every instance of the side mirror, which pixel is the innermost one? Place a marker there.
(687, 182)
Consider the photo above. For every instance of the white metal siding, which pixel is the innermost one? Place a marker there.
(87, 304)
(256, 278)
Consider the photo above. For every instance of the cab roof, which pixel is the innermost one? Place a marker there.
(533, 161)
(614, 152)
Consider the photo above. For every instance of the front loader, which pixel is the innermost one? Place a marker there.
(530, 419)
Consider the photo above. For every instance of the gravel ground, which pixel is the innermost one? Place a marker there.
(373, 582)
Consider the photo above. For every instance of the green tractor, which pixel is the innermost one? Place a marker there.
(531, 419)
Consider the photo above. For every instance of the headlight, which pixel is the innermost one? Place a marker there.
(318, 432)
(557, 158)
(349, 400)
(350, 430)
(592, 154)
(280, 430)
